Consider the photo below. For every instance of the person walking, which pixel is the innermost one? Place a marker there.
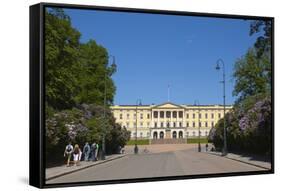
(67, 153)
(86, 151)
(93, 151)
(76, 154)
(97, 150)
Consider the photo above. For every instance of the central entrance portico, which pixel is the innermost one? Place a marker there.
(167, 121)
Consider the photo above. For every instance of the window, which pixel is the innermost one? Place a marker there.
(212, 116)
(180, 114)
(134, 116)
(187, 134)
(193, 115)
(155, 124)
(187, 115)
(148, 116)
(120, 117)
(180, 124)
(141, 134)
(168, 114)
(141, 124)
(180, 134)
(161, 114)
(168, 124)
(206, 133)
(128, 115)
(187, 124)
(193, 133)
(174, 135)
(175, 124)
(219, 115)
(200, 115)
(212, 124)
(206, 124)
(161, 124)
(155, 114)
(193, 124)
(141, 116)
(206, 115)
(174, 114)
(199, 124)
(127, 124)
(155, 135)
(161, 135)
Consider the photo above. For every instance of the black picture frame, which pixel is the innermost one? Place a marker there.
(37, 94)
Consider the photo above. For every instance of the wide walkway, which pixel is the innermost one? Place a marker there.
(62, 170)
(172, 161)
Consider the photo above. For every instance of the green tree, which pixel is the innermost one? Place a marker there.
(251, 76)
(94, 75)
(249, 123)
(103, 124)
(61, 58)
(252, 72)
(263, 43)
(76, 77)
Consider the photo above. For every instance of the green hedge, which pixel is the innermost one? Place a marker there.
(196, 140)
(188, 141)
(139, 142)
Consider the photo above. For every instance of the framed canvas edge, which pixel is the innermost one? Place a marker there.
(36, 98)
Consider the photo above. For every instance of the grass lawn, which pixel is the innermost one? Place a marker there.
(139, 142)
(203, 140)
(196, 140)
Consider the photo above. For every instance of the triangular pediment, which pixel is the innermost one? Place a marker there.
(168, 105)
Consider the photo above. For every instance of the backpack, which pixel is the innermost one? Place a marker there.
(68, 148)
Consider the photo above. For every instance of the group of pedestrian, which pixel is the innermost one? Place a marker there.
(89, 153)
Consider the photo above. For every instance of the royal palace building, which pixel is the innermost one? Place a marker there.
(168, 120)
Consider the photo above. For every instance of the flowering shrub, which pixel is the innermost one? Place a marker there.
(85, 123)
(255, 126)
(63, 127)
(246, 128)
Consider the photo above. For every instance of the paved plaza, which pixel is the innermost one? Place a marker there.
(158, 161)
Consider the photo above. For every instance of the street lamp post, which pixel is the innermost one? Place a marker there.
(218, 67)
(136, 149)
(104, 113)
(196, 102)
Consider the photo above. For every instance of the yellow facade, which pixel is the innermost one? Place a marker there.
(168, 120)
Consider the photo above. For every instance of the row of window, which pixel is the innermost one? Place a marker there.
(187, 134)
(193, 133)
(134, 116)
(200, 124)
(141, 134)
(179, 114)
(168, 115)
(174, 124)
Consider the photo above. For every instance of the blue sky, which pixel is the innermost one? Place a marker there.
(153, 51)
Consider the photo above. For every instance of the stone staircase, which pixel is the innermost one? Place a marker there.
(168, 141)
